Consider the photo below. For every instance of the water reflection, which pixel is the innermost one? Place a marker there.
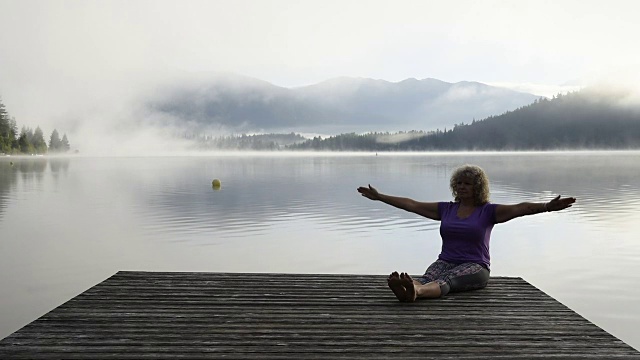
(26, 170)
(59, 165)
(7, 180)
(301, 214)
(260, 192)
(173, 195)
(606, 184)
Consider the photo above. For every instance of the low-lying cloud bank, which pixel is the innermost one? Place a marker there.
(133, 115)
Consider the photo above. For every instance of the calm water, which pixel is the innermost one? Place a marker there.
(68, 223)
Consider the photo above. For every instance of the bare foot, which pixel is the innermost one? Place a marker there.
(410, 288)
(395, 284)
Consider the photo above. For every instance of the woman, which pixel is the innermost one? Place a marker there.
(465, 228)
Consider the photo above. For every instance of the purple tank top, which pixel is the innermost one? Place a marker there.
(466, 240)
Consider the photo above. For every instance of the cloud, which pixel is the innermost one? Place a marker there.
(545, 90)
(66, 62)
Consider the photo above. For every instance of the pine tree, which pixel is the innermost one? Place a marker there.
(8, 130)
(28, 133)
(12, 135)
(39, 145)
(65, 143)
(24, 141)
(54, 141)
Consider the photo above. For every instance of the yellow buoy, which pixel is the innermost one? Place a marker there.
(216, 184)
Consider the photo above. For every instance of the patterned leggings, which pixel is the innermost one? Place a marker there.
(456, 277)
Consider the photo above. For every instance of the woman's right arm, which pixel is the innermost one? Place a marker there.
(426, 209)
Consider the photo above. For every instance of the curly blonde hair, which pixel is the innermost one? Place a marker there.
(480, 183)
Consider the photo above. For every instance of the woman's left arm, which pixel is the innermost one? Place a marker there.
(505, 213)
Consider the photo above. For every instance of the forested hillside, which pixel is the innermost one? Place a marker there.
(582, 120)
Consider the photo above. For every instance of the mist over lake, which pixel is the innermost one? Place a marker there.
(146, 96)
(67, 223)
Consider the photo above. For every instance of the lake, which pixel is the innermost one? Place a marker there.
(68, 223)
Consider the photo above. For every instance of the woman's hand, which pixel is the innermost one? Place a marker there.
(426, 209)
(558, 204)
(369, 192)
(505, 213)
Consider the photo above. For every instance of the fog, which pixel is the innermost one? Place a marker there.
(86, 68)
(116, 118)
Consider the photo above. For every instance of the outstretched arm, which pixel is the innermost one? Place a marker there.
(505, 213)
(426, 209)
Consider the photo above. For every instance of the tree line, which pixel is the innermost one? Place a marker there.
(27, 141)
(256, 142)
(580, 120)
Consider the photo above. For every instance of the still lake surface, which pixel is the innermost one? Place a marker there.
(67, 224)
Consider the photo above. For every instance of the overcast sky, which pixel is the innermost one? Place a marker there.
(54, 51)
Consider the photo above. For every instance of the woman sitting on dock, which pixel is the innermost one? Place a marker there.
(465, 228)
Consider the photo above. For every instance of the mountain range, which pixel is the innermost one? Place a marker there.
(238, 103)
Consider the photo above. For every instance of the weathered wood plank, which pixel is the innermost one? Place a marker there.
(138, 315)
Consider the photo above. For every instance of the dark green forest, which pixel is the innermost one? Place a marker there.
(581, 120)
(27, 141)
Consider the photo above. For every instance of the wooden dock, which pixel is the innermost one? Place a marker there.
(149, 315)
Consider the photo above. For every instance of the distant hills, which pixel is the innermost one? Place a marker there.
(590, 119)
(368, 114)
(240, 104)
